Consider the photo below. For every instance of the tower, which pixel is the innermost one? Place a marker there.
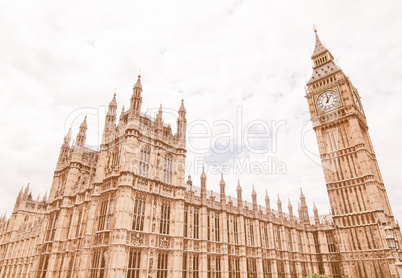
(356, 191)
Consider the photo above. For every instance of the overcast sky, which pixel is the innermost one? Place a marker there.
(240, 64)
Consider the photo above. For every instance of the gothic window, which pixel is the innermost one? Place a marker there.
(217, 230)
(190, 265)
(336, 270)
(235, 231)
(195, 266)
(43, 263)
(115, 156)
(318, 251)
(106, 213)
(185, 268)
(144, 161)
(51, 227)
(330, 242)
(300, 243)
(277, 234)
(214, 267)
(67, 228)
(251, 228)
(228, 229)
(281, 269)
(78, 227)
(290, 243)
(138, 215)
(316, 243)
(70, 271)
(196, 222)
(292, 266)
(167, 169)
(266, 268)
(234, 267)
(185, 221)
(162, 268)
(134, 260)
(304, 269)
(251, 268)
(98, 263)
(165, 219)
(266, 237)
(208, 224)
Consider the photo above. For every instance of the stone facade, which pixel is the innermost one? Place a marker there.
(127, 211)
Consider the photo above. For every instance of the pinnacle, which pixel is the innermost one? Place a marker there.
(222, 180)
(138, 83)
(238, 185)
(113, 102)
(203, 176)
(182, 108)
(301, 194)
(67, 138)
(319, 47)
(266, 196)
(84, 123)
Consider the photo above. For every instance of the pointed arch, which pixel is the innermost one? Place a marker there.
(143, 167)
(167, 169)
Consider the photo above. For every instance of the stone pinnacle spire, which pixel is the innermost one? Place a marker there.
(319, 46)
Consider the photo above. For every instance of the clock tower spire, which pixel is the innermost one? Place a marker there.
(358, 199)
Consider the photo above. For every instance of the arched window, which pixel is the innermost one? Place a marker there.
(144, 161)
(167, 169)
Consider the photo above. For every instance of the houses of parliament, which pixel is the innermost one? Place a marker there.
(127, 209)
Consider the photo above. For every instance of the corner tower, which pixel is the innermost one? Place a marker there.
(356, 191)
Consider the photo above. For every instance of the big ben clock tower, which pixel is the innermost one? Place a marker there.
(358, 199)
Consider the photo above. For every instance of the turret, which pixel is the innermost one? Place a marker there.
(121, 119)
(239, 197)
(303, 210)
(267, 202)
(110, 121)
(182, 122)
(279, 203)
(254, 198)
(189, 183)
(316, 216)
(136, 99)
(82, 134)
(222, 187)
(65, 147)
(159, 122)
(203, 185)
(290, 208)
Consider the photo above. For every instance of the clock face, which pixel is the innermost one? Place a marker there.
(357, 102)
(328, 101)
